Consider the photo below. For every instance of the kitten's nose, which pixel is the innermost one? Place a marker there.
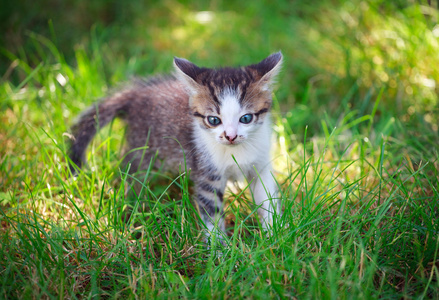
(231, 138)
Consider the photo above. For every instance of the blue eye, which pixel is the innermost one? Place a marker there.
(245, 119)
(214, 121)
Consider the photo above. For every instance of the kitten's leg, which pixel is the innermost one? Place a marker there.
(209, 193)
(139, 163)
(264, 191)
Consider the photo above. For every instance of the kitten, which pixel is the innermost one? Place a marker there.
(217, 115)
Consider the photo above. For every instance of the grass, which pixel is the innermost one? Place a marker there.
(355, 122)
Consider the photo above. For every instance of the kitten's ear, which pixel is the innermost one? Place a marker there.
(187, 72)
(267, 70)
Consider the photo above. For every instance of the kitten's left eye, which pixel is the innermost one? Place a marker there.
(245, 119)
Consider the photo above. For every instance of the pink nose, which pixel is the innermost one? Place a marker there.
(231, 138)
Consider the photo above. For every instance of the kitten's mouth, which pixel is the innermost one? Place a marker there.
(230, 143)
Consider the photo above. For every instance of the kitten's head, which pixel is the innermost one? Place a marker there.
(230, 103)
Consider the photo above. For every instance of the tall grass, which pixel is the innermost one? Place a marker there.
(355, 156)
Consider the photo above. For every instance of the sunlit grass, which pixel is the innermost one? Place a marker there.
(357, 170)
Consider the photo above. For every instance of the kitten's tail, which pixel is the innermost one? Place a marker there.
(94, 118)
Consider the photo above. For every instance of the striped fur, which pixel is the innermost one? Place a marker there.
(182, 107)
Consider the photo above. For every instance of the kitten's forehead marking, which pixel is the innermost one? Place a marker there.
(225, 80)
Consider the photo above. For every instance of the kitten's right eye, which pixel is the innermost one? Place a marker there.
(214, 121)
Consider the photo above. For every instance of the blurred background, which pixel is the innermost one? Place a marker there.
(342, 58)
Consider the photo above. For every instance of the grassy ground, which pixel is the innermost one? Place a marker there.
(356, 135)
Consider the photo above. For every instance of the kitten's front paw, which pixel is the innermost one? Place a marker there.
(267, 222)
(216, 244)
(267, 229)
(215, 238)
